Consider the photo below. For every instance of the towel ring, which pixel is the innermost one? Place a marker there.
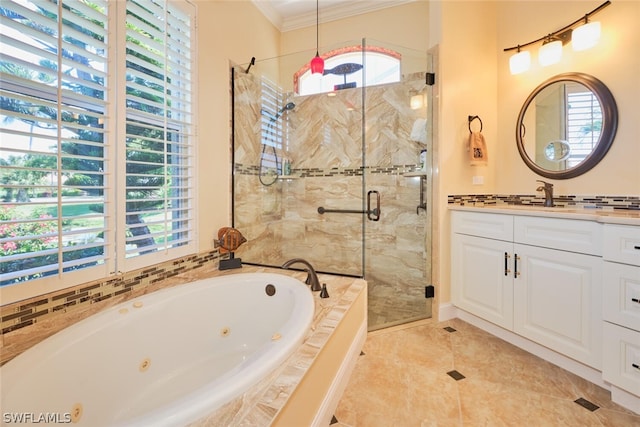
(472, 118)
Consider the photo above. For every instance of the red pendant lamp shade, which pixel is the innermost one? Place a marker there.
(317, 63)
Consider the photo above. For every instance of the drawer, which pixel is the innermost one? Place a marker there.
(621, 358)
(565, 234)
(492, 226)
(622, 243)
(621, 294)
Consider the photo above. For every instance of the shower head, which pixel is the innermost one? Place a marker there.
(288, 106)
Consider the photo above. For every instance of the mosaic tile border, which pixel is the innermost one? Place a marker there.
(25, 313)
(241, 169)
(568, 201)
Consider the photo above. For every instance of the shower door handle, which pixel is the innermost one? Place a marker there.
(373, 214)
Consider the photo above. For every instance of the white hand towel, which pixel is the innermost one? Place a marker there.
(419, 131)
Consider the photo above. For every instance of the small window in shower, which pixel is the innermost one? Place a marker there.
(350, 67)
(272, 128)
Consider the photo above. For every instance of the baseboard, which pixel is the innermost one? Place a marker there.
(625, 399)
(447, 311)
(332, 398)
(566, 363)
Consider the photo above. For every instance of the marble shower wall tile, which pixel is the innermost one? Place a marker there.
(323, 138)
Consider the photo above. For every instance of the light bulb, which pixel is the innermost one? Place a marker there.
(417, 101)
(520, 62)
(550, 53)
(585, 36)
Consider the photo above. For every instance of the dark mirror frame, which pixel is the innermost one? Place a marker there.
(608, 133)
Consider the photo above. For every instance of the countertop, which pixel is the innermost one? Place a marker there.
(606, 216)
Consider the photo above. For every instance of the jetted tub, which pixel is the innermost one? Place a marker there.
(165, 359)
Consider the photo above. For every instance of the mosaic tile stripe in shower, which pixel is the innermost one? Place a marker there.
(241, 169)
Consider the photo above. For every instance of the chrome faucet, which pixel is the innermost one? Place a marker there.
(312, 277)
(548, 193)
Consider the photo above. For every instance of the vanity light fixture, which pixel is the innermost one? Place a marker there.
(520, 62)
(550, 52)
(583, 37)
(586, 36)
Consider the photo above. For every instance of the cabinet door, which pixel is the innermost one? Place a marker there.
(557, 301)
(481, 276)
(621, 294)
(621, 365)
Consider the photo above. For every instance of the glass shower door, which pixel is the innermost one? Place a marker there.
(334, 177)
(319, 137)
(397, 155)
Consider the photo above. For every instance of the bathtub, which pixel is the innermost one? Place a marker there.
(165, 359)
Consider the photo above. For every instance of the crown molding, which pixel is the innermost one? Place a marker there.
(326, 14)
(269, 12)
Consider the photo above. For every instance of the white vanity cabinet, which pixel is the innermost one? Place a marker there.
(538, 277)
(481, 267)
(621, 307)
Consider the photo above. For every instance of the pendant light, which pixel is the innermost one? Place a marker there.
(317, 63)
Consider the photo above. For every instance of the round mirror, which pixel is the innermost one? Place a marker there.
(566, 125)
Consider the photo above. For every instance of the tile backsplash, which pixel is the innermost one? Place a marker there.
(568, 201)
(24, 313)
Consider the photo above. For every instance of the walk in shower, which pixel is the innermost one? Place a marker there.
(329, 168)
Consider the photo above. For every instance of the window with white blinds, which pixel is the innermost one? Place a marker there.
(73, 199)
(159, 189)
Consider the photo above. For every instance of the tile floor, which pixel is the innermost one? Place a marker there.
(402, 380)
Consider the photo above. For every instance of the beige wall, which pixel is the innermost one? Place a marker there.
(406, 25)
(229, 32)
(468, 84)
(615, 61)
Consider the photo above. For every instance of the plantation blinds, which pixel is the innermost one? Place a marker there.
(158, 132)
(583, 123)
(73, 199)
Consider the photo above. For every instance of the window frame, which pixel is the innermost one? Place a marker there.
(306, 68)
(114, 125)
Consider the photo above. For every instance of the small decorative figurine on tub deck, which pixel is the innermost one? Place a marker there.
(229, 239)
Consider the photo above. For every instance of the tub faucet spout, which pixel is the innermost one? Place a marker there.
(312, 277)
(547, 187)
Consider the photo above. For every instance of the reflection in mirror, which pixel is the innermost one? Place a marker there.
(557, 151)
(571, 120)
